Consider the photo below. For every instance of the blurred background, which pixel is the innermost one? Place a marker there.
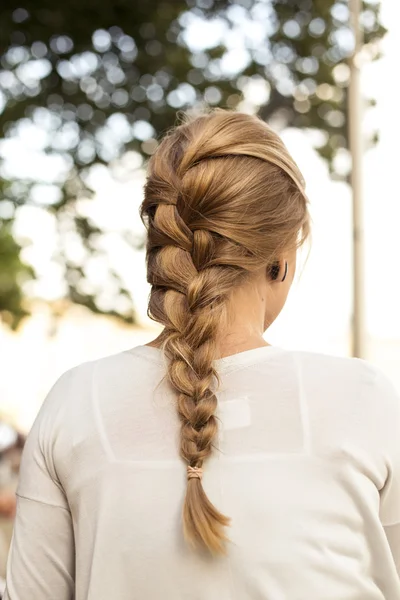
(86, 91)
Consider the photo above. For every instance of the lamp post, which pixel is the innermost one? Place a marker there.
(355, 110)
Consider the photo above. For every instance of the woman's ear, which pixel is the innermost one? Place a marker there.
(277, 268)
(274, 270)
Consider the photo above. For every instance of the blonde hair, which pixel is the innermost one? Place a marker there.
(223, 196)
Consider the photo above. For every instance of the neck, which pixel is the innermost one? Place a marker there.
(240, 336)
(228, 344)
(244, 324)
(237, 335)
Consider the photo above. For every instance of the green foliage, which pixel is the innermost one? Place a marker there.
(13, 273)
(101, 78)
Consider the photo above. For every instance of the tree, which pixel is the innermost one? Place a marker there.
(101, 79)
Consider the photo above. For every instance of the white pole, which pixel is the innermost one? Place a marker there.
(355, 110)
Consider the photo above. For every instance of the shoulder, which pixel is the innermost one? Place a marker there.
(337, 368)
(352, 383)
(72, 390)
(84, 372)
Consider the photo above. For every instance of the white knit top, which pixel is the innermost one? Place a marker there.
(308, 468)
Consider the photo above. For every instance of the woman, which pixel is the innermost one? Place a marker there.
(290, 465)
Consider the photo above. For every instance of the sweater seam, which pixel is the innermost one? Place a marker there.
(105, 443)
(391, 524)
(304, 409)
(19, 495)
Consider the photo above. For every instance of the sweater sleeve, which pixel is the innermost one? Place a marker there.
(389, 400)
(393, 536)
(42, 556)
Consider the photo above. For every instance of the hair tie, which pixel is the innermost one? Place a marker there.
(194, 472)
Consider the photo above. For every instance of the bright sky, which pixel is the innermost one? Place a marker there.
(317, 315)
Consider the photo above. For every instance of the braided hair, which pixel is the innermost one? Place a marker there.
(222, 197)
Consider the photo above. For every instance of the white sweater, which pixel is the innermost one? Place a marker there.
(308, 470)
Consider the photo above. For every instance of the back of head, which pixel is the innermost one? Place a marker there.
(223, 197)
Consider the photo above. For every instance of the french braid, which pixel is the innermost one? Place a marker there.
(201, 245)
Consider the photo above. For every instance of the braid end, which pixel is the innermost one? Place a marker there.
(204, 525)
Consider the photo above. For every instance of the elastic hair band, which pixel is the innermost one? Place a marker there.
(194, 472)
